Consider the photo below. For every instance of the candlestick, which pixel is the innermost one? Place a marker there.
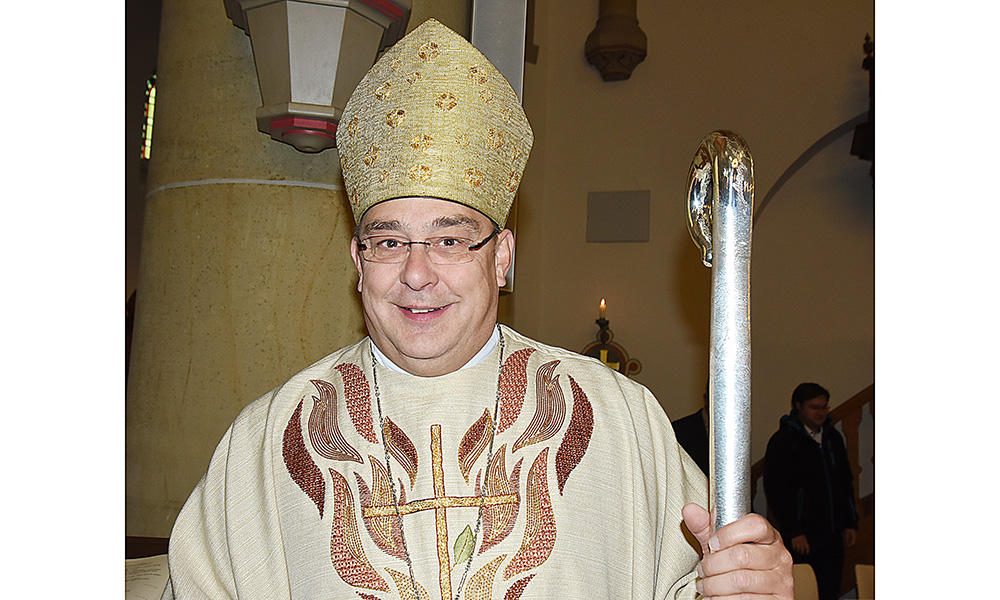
(603, 307)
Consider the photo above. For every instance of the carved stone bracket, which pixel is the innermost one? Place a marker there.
(617, 44)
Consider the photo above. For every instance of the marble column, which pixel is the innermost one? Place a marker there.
(244, 276)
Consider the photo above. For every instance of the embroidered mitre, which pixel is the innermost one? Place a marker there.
(434, 118)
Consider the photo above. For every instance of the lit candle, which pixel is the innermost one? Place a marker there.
(603, 307)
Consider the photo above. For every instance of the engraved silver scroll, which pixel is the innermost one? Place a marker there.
(720, 220)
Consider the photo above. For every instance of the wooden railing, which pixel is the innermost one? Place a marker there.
(849, 414)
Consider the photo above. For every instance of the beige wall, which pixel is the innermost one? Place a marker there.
(781, 73)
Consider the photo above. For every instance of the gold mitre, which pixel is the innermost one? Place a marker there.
(434, 118)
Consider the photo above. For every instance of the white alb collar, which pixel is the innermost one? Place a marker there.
(483, 353)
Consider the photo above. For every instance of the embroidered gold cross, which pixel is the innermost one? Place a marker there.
(440, 504)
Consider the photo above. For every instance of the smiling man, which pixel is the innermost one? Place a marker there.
(429, 304)
(446, 456)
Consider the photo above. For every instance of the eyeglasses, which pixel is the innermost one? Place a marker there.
(440, 250)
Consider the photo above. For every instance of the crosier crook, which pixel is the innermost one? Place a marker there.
(720, 221)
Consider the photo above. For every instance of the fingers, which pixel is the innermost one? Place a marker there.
(800, 544)
(751, 529)
(850, 537)
(699, 523)
(752, 557)
(747, 557)
(747, 583)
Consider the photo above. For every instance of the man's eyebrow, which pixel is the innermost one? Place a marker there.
(381, 226)
(457, 221)
(438, 223)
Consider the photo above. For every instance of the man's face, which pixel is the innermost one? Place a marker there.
(428, 318)
(813, 412)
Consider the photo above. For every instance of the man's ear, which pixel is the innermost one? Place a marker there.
(356, 255)
(505, 255)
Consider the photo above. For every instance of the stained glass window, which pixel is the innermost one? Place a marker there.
(147, 125)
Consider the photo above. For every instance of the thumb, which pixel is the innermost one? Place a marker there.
(699, 522)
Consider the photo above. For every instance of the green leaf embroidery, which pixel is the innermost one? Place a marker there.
(464, 545)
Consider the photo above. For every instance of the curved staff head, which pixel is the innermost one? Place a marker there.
(719, 216)
(703, 183)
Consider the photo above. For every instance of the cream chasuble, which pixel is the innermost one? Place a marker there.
(581, 498)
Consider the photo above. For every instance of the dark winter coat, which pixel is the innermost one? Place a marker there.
(692, 435)
(809, 486)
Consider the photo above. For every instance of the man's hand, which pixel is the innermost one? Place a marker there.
(800, 544)
(745, 557)
(850, 537)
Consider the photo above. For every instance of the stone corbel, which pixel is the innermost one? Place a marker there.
(617, 44)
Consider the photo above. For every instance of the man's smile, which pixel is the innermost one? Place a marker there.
(422, 312)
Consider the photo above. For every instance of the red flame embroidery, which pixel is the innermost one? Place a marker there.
(577, 438)
(300, 465)
(474, 442)
(550, 408)
(359, 402)
(513, 385)
(324, 434)
(540, 530)
(498, 519)
(348, 557)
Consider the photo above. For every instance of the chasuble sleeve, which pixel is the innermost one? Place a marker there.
(673, 479)
(226, 542)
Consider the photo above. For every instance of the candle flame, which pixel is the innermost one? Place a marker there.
(603, 304)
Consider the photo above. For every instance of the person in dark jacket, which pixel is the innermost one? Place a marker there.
(692, 434)
(809, 487)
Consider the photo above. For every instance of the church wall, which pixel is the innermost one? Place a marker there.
(783, 74)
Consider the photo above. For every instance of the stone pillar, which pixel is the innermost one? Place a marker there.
(245, 276)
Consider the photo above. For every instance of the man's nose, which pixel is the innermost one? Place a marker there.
(418, 270)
